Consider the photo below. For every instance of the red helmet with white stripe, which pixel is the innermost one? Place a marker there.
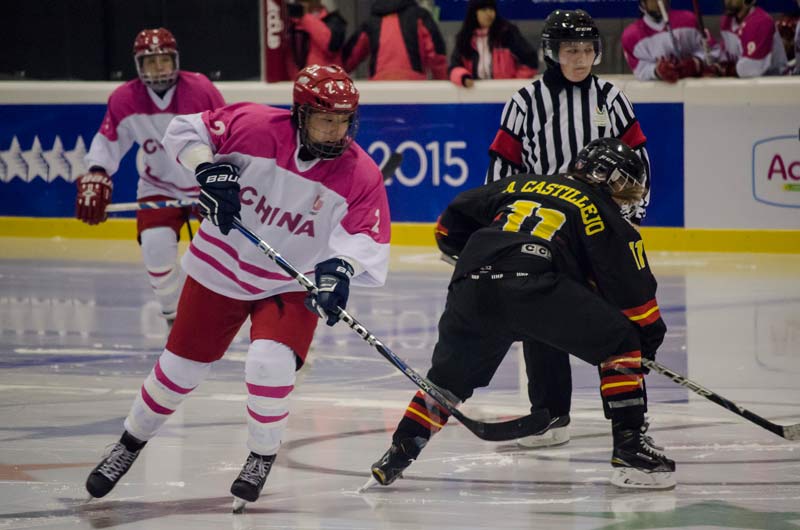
(325, 89)
(156, 43)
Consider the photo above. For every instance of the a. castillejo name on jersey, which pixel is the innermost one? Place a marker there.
(592, 222)
(272, 215)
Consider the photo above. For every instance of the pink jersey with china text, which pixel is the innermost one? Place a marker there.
(308, 211)
(645, 41)
(754, 44)
(135, 114)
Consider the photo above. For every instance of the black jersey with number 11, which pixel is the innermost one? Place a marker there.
(579, 224)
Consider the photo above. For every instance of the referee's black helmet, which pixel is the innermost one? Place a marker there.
(569, 26)
(609, 163)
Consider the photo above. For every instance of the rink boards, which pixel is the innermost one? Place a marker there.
(725, 154)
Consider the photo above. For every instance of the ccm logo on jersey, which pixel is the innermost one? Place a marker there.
(222, 178)
(536, 250)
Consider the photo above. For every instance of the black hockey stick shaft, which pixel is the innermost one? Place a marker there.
(391, 165)
(789, 432)
(509, 430)
(665, 16)
(702, 27)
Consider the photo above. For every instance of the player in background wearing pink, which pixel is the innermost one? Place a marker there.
(654, 52)
(751, 45)
(297, 179)
(139, 112)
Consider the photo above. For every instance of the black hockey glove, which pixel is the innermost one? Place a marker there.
(333, 288)
(219, 193)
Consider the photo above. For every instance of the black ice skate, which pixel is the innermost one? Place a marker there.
(248, 485)
(638, 464)
(391, 465)
(113, 466)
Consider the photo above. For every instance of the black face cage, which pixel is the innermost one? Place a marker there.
(325, 150)
(604, 170)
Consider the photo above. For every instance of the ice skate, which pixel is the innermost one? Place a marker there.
(557, 434)
(248, 485)
(394, 461)
(639, 465)
(113, 466)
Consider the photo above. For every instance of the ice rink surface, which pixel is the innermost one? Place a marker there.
(80, 331)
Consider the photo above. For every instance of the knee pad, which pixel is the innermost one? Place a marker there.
(270, 363)
(159, 247)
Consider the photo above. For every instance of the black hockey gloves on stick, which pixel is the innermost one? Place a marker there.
(333, 289)
(789, 432)
(532, 424)
(219, 193)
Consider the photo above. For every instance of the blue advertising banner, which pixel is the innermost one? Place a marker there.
(454, 10)
(444, 148)
(445, 151)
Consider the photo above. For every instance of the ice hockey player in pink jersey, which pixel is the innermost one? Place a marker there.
(297, 179)
(751, 44)
(668, 50)
(139, 112)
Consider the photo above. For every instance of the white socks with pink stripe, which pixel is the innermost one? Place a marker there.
(269, 374)
(168, 384)
(160, 254)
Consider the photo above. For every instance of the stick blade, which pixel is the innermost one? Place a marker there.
(536, 423)
(391, 166)
(792, 432)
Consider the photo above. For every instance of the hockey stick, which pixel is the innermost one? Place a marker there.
(702, 27)
(151, 205)
(789, 432)
(535, 423)
(665, 16)
(391, 165)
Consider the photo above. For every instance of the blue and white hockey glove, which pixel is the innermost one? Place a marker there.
(332, 277)
(219, 193)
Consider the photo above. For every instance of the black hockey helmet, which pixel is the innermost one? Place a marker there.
(569, 26)
(609, 163)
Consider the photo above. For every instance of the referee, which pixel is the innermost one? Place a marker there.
(543, 127)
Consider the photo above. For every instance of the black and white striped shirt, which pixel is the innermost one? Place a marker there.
(546, 123)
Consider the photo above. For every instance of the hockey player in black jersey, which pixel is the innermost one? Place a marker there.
(549, 259)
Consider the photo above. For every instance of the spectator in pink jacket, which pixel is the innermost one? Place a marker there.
(490, 47)
(316, 35)
(402, 41)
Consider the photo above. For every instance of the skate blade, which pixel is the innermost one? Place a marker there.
(370, 483)
(239, 505)
(631, 478)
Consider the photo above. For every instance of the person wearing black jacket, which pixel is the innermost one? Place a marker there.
(554, 260)
(402, 42)
(490, 47)
(316, 35)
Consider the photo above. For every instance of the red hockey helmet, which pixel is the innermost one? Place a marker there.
(150, 42)
(324, 89)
